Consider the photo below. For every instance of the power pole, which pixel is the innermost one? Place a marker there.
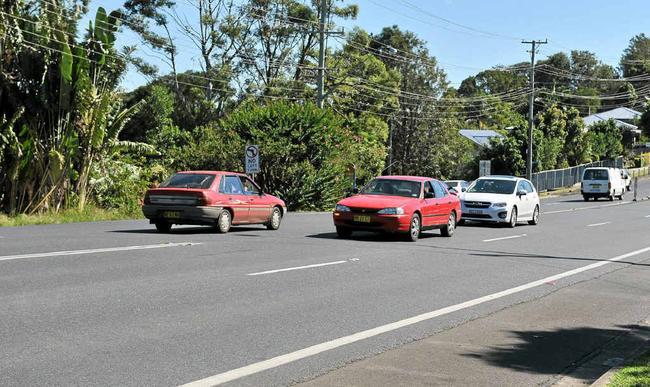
(531, 121)
(321, 53)
(322, 40)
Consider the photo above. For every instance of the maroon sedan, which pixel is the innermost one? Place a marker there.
(213, 198)
(399, 204)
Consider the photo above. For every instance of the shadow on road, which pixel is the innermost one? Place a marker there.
(558, 351)
(189, 230)
(508, 254)
(373, 237)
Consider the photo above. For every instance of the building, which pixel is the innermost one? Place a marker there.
(623, 117)
(480, 137)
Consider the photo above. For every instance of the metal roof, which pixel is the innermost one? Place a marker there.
(480, 137)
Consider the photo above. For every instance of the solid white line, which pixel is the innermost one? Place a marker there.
(585, 208)
(598, 224)
(94, 251)
(277, 361)
(298, 268)
(504, 238)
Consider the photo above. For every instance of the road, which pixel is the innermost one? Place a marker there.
(115, 303)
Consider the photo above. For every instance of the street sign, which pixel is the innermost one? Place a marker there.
(252, 156)
(484, 168)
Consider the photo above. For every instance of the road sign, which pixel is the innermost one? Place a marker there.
(484, 168)
(252, 156)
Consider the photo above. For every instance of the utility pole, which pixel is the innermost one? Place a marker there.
(322, 40)
(531, 122)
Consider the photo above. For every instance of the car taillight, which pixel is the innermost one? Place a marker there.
(147, 200)
(202, 199)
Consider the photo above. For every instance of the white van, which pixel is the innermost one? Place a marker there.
(602, 183)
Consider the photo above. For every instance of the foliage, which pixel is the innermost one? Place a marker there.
(634, 374)
(605, 138)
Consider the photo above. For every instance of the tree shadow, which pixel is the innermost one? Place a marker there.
(560, 351)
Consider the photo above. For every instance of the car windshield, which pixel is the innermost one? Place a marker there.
(596, 174)
(189, 180)
(393, 187)
(493, 186)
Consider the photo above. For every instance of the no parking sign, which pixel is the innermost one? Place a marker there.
(252, 156)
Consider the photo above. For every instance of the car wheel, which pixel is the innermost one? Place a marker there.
(343, 232)
(414, 228)
(163, 226)
(513, 218)
(535, 220)
(586, 198)
(275, 220)
(450, 227)
(611, 197)
(224, 221)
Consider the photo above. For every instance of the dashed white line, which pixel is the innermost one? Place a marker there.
(504, 238)
(297, 268)
(585, 208)
(278, 361)
(647, 216)
(94, 251)
(598, 224)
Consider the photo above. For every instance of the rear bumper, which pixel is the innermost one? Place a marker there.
(181, 214)
(377, 223)
(596, 194)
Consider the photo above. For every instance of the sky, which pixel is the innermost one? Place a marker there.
(467, 36)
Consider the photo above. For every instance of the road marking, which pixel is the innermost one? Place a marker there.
(647, 216)
(504, 238)
(278, 361)
(598, 224)
(95, 251)
(585, 208)
(298, 268)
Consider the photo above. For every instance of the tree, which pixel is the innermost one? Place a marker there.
(606, 140)
(636, 57)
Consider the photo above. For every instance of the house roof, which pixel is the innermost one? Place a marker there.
(480, 137)
(620, 113)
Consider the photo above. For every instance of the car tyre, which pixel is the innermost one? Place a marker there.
(586, 198)
(224, 221)
(275, 220)
(415, 227)
(450, 227)
(513, 218)
(611, 197)
(163, 226)
(535, 220)
(343, 232)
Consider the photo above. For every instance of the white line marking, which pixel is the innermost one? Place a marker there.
(277, 361)
(647, 216)
(585, 208)
(504, 238)
(94, 251)
(298, 268)
(598, 224)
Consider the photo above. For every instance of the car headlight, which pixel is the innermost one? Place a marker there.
(342, 208)
(499, 205)
(392, 211)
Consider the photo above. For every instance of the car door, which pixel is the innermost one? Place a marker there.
(233, 191)
(259, 207)
(533, 197)
(429, 207)
(444, 202)
(523, 202)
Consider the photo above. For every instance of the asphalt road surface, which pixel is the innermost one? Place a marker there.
(115, 303)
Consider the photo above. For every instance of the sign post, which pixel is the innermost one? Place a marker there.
(252, 159)
(484, 168)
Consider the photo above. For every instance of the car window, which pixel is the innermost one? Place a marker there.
(231, 185)
(393, 187)
(249, 187)
(520, 186)
(528, 187)
(428, 188)
(189, 180)
(496, 186)
(464, 184)
(596, 174)
(439, 190)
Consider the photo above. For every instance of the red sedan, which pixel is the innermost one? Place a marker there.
(213, 198)
(399, 204)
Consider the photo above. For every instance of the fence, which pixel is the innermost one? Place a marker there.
(568, 177)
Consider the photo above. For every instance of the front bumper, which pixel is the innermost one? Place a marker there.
(182, 214)
(376, 223)
(489, 214)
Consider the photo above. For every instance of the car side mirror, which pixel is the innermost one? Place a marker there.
(429, 195)
(355, 190)
(522, 193)
(463, 190)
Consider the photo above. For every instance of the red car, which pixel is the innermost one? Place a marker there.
(399, 204)
(213, 198)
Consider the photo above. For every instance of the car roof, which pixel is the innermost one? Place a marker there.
(213, 172)
(404, 177)
(500, 177)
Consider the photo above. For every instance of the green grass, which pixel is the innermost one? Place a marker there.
(635, 374)
(89, 214)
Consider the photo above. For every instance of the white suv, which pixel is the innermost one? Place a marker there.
(501, 199)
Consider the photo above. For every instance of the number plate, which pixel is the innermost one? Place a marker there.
(595, 186)
(477, 212)
(362, 218)
(171, 214)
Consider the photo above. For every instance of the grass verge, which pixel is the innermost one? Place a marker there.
(635, 374)
(88, 214)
